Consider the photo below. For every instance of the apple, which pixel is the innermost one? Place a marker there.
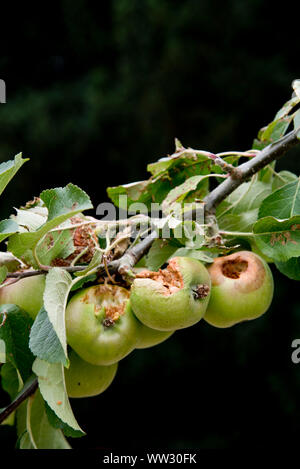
(242, 289)
(172, 298)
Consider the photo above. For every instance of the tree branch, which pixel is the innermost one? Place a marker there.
(27, 391)
(272, 152)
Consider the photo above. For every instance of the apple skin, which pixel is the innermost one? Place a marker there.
(26, 293)
(148, 337)
(87, 333)
(170, 308)
(245, 297)
(85, 380)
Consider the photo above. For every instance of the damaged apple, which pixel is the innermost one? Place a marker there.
(172, 298)
(100, 324)
(242, 289)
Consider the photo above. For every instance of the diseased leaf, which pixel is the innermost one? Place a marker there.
(55, 244)
(278, 239)
(53, 389)
(62, 203)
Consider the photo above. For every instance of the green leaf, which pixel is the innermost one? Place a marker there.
(58, 423)
(7, 228)
(62, 203)
(29, 219)
(287, 107)
(278, 239)
(3, 273)
(79, 284)
(282, 178)
(179, 193)
(39, 434)
(53, 389)
(291, 268)
(57, 289)
(195, 254)
(297, 120)
(160, 251)
(55, 244)
(239, 211)
(10, 379)
(9, 168)
(283, 203)
(44, 342)
(15, 327)
(9, 261)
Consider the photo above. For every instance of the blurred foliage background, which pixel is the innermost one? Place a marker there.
(97, 91)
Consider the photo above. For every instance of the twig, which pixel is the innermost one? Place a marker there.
(27, 391)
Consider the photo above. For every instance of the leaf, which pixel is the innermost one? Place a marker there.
(53, 389)
(29, 219)
(14, 331)
(160, 251)
(287, 107)
(296, 88)
(58, 285)
(239, 211)
(79, 284)
(39, 434)
(58, 423)
(179, 193)
(297, 120)
(291, 268)
(62, 203)
(278, 239)
(9, 168)
(95, 261)
(44, 342)
(10, 379)
(55, 244)
(7, 228)
(283, 203)
(282, 178)
(194, 253)
(183, 159)
(9, 261)
(3, 273)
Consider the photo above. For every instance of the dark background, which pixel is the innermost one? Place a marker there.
(95, 91)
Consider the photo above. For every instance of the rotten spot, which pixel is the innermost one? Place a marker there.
(201, 291)
(170, 278)
(84, 238)
(232, 268)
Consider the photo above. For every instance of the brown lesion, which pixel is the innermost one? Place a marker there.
(170, 278)
(244, 267)
(233, 268)
(84, 238)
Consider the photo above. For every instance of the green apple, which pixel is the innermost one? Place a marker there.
(85, 380)
(100, 324)
(242, 289)
(148, 337)
(172, 298)
(26, 293)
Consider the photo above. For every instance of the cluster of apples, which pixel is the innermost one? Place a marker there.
(106, 322)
